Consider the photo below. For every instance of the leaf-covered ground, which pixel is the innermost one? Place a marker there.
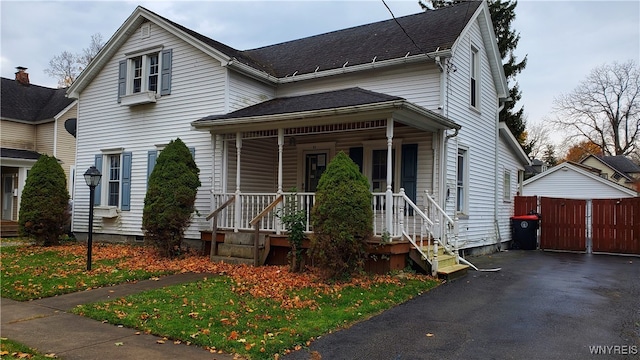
(257, 312)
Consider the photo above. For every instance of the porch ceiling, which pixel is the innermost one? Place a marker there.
(334, 107)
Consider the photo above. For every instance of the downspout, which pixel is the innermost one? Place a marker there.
(496, 173)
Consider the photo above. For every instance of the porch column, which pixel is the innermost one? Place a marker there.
(280, 151)
(238, 206)
(389, 193)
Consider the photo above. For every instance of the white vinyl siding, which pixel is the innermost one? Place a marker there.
(479, 133)
(571, 184)
(417, 83)
(509, 163)
(194, 94)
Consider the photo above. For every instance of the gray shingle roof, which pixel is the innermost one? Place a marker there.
(317, 101)
(383, 40)
(19, 154)
(30, 103)
(621, 163)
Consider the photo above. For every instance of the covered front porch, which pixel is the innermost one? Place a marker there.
(275, 152)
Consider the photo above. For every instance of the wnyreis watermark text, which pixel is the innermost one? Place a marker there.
(613, 349)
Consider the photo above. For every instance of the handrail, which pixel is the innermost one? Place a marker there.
(416, 208)
(255, 222)
(221, 207)
(266, 210)
(451, 222)
(442, 212)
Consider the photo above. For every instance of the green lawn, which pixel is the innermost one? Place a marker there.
(32, 272)
(253, 312)
(10, 349)
(210, 313)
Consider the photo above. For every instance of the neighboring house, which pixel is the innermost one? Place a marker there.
(618, 169)
(574, 181)
(33, 123)
(263, 121)
(536, 167)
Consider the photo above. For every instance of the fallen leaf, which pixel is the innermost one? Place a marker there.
(159, 341)
(429, 334)
(119, 344)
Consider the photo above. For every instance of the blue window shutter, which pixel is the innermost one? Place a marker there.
(126, 181)
(165, 88)
(151, 163)
(192, 150)
(122, 79)
(409, 171)
(98, 165)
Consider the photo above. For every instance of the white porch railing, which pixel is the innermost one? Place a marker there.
(406, 217)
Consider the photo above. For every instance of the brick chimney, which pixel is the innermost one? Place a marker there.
(22, 76)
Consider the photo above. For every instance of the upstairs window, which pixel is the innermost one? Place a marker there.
(474, 83)
(143, 76)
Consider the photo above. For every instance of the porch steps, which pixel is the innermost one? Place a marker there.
(237, 248)
(452, 272)
(448, 269)
(9, 229)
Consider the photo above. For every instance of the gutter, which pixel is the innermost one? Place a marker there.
(501, 104)
(263, 76)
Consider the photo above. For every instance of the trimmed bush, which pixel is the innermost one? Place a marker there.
(341, 219)
(170, 198)
(44, 207)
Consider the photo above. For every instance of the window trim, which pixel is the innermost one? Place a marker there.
(127, 71)
(506, 185)
(124, 182)
(462, 208)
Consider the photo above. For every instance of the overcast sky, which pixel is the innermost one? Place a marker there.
(564, 40)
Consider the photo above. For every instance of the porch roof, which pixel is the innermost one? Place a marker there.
(352, 104)
(6, 153)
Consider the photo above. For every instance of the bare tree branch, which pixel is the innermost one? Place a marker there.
(604, 108)
(67, 66)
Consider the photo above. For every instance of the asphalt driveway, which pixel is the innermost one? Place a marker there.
(541, 305)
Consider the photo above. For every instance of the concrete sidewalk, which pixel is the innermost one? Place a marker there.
(48, 326)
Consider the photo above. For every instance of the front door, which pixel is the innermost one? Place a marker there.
(7, 197)
(315, 165)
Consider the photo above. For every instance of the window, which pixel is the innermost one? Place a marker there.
(115, 167)
(113, 180)
(474, 78)
(379, 169)
(462, 182)
(506, 189)
(143, 76)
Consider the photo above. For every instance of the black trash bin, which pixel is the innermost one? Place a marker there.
(524, 232)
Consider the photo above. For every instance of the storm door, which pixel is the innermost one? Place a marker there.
(315, 165)
(7, 197)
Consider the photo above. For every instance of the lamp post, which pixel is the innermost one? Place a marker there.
(92, 178)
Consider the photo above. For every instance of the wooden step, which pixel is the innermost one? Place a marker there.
(446, 260)
(452, 272)
(231, 260)
(9, 229)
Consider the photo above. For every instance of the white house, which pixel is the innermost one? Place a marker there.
(573, 181)
(415, 105)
